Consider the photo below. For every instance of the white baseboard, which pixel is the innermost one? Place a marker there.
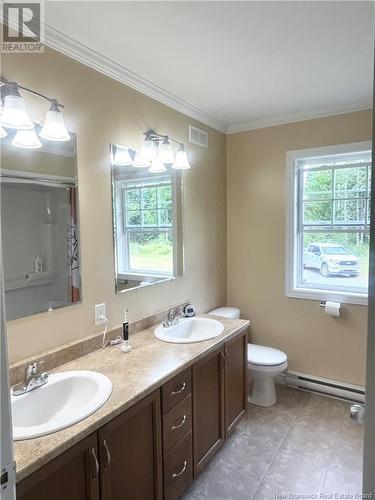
(319, 385)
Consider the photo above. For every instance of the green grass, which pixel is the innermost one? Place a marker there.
(156, 255)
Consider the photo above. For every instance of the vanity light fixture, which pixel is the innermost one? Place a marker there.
(54, 127)
(157, 167)
(148, 149)
(14, 113)
(162, 144)
(122, 157)
(181, 161)
(27, 139)
(15, 116)
(140, 162)
(165, 153)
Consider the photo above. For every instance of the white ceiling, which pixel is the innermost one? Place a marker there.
(241, 64)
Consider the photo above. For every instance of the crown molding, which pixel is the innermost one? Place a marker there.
(83, 54)
(272, 121)
(66, 45)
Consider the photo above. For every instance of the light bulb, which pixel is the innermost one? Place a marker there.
(54, 127)
(181, 162)
(157, 167)
(165, 153)
(14, 114)
(122, 157)
(140, 162)
(147, 151)
(3, 132)
(26, 139)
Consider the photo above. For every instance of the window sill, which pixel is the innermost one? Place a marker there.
(316, 294)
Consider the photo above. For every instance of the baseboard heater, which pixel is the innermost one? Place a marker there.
(323, 386)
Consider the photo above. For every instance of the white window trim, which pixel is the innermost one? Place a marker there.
(123, 237)
(291, 288)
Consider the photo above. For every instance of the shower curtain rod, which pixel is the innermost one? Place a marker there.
(36, 180)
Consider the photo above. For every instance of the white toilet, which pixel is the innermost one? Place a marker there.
(264, 364)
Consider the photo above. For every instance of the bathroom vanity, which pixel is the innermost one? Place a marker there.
(172, 408)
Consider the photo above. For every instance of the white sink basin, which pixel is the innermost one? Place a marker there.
(189, 330)
(67, 398)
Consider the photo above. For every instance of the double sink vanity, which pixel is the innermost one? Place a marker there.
(139, 425)
(108, 424)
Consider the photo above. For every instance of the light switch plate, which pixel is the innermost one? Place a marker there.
(100, 314)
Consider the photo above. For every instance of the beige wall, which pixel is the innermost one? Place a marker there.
(101, 111)
(256, 164)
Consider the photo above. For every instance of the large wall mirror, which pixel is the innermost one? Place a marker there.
(39, 222)
(147, 223)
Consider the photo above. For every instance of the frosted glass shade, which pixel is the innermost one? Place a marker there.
(122, 157)
(147, 151)
(157, 167)
(54, 127)
(14, 114)
(139, 162)
(181, 162)
(165, 153)
(26, 139)
(3, 133)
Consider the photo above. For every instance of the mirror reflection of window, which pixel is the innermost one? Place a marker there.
(147, 226)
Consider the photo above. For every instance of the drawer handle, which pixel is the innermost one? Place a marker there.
(92, 451)
(178, 391)
(178, 426)
(176, 474)
(108, 454)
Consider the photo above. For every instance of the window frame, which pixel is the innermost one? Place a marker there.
(123, 233)
(292, 248)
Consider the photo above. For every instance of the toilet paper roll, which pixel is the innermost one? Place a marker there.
(332, 308)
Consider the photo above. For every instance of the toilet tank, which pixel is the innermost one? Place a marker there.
(226, 312)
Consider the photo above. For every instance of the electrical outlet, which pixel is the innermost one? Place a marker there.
(99, 314)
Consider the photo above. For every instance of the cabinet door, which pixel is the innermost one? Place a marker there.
(72, 475)
(208, 407)
(130, 453)
(235, 381)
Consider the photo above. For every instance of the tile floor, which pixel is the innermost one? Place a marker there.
(306, 446)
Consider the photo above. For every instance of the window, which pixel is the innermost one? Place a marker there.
(328, 220)
(147, 225)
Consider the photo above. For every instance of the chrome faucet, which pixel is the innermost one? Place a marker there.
(33, 379)
(172, 318)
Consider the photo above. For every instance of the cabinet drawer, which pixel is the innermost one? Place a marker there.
(178, 468)
(176, 423)
(176, 390)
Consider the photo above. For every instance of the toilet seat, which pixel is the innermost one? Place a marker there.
(261, 355)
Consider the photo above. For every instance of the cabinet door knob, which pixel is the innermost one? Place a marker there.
(108, 454)
(176, 474)
(93, 454)
(177, 426)
(178, 391)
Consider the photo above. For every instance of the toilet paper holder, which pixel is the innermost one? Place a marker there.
(323, 304)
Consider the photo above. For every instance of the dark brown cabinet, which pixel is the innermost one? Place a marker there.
(219, 397)
(208, 407)
(153, 449)
(130, 453)
(73, 475)
(178, 468)
(235, 352)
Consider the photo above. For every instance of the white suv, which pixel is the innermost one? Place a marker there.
(331, 259)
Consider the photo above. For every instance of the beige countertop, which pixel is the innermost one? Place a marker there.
(133, 375)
